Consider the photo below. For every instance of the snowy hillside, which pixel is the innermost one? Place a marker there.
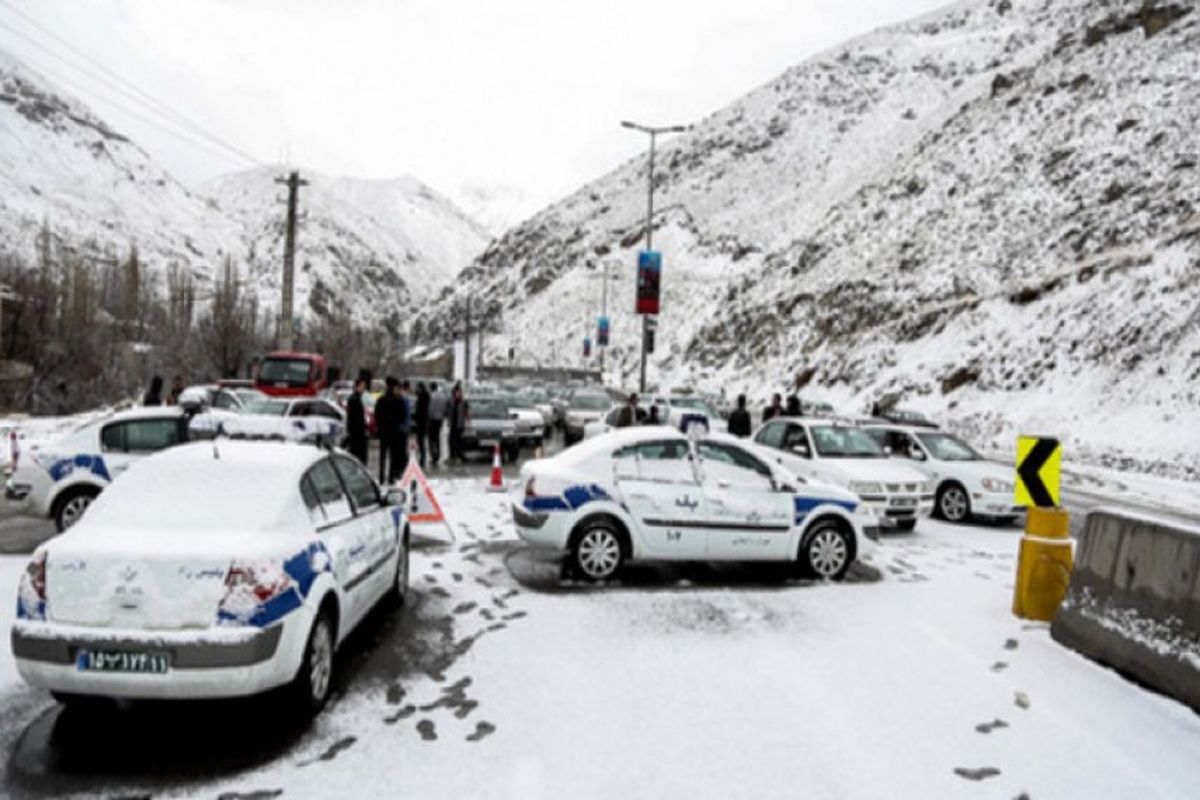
(389, 243)
(988, 212)
(63, 166)
(369, 245)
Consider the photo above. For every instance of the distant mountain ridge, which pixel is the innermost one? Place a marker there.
(988, 213)
(390, 243)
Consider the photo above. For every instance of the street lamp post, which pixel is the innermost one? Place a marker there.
(654, 131)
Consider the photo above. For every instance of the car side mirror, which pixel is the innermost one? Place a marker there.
(801, 450)
(916, 454)
(396, 496)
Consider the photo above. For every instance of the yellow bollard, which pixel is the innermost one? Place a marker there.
(1044, 564)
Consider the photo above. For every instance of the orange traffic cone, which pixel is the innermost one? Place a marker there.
(496, 484)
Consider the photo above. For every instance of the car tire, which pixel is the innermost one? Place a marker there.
(398, 592)
(598, 551)
(826, 551)
(70, 505)
(952, 503)
(311, 687)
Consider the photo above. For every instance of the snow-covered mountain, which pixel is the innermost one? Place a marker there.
(497, 207)
(373, 246)
(376, 248)
(988, 212)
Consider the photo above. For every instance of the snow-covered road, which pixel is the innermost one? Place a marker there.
(688, 683)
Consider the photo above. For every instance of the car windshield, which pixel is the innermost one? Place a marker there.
(290, 371)
(946, 447)
(836, 441)
(488, 408)
(275, 408)
(591, 402)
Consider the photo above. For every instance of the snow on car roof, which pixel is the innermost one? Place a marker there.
(615, 439)
(209, 486)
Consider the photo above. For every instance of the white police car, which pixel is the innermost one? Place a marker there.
(653, 493)
(967, 484)
(59, 479)
(212, 569)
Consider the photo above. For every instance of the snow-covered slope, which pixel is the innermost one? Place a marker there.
(373, 247)
(63, 166)
(989, 212)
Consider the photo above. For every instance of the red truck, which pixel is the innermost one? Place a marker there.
(286, 374)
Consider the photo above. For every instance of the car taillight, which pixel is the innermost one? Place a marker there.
(530, 489)
(251, 584)
(31, 591)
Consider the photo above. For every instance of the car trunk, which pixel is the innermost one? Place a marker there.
(138, 581)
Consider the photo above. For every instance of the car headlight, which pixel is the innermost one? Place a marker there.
(866, 487)
(997, 485)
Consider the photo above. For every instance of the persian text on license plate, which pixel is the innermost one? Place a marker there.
(122, 661)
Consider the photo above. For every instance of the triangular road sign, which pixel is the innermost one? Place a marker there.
(422, 502)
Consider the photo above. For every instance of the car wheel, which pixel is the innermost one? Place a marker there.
(598, 553)
(69, 508)
(953, 505)
(313, 682)
(826, 550)
(399, 591)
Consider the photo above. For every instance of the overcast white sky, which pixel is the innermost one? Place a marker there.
(526, 93)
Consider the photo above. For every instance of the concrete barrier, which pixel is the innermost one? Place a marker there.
(1134, 601)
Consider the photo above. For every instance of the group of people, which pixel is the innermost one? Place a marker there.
(401, 413)
(154, 395)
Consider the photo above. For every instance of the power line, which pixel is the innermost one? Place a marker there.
(125, 87)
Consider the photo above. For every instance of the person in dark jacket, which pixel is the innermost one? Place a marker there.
(403, 427)
(154, 394)
(438, 406)
(356, 422)
(458, 421)
(739, 418)
(775, 409)
(421, 421)
(177, 387)
(386, 414)
(629, 414)
(793, 406)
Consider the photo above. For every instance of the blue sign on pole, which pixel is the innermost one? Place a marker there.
(602, 332)
(649, 277)
(587, 346)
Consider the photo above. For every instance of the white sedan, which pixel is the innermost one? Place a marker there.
(967, 484)
(212, 569)
(654, 493)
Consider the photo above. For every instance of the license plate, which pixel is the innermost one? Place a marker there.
(904, 502)
(122, 661)
(489, 442)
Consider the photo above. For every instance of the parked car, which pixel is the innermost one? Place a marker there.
(529, 423)
(217, 396)
(582, 408)
(966, 484)
(684, 410)
(653, 493)
(609, 421)
(198, 576)
(842, 454)
(489, 423)
(902, 416)
(287, 374)
(60, 479)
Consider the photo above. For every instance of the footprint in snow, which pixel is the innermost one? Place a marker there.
(256, 794)
(499, 626)
(482, 729)
(457, 577)
(332, 751)
(976, 773)
(988, 727)
(1021, 700)
(403, 713)
(427, 730)
(436, 565)
(430, 579)
(1011, 644)
(487, 614)
(395, 693)
(438, 591)
(999, 666)
(515, 615)
(463, 608)
(484, 582)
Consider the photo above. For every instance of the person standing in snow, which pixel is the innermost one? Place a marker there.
(385, 423)
(154, 393)
(356, 421)
(458, 421)
(793, 407)
(177, 388)
(739, 418)
(628, 416)
(401, 430)
(421, 421)
(775, 409)
(437, 413)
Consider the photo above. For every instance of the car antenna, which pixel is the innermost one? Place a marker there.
(220, 431)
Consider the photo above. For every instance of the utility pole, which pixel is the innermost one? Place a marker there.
(286, 332)
(654, 131)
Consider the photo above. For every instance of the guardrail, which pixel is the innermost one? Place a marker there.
(1134, 601)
